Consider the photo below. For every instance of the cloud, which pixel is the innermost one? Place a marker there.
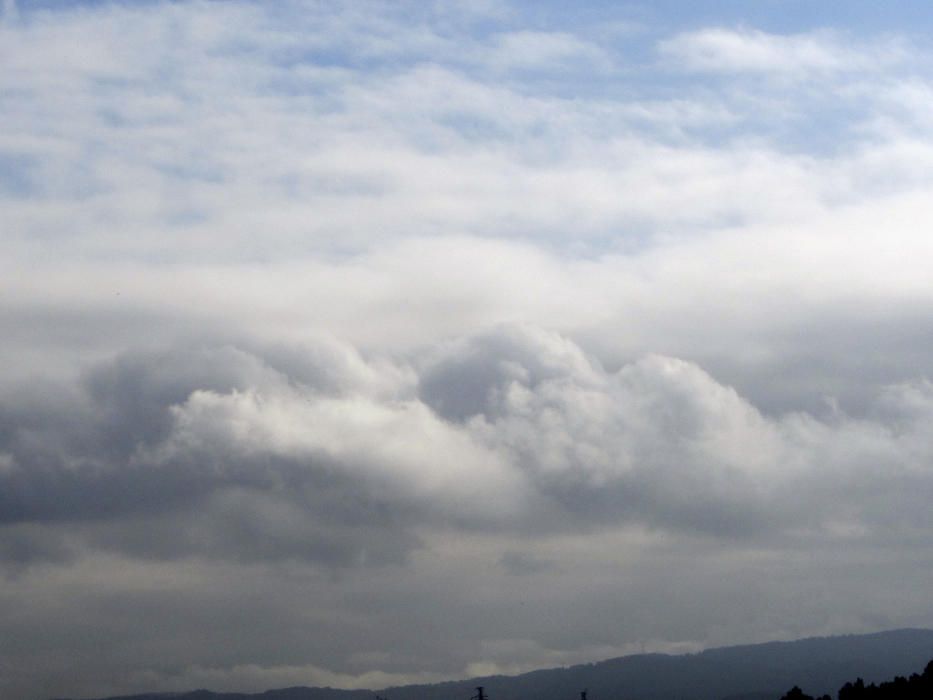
(516, 428)
(551, 51)
(521, 564)
(256, 678)
(326, 325)
(321, 460)
(722, 50)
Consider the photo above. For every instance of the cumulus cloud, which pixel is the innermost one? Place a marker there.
(516, 428)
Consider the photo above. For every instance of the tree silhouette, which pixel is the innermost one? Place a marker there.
(917, 687)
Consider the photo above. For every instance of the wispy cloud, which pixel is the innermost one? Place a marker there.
(821, 53)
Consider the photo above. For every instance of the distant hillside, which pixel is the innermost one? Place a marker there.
(754, 672)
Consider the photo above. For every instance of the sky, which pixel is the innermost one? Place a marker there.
(363, 343)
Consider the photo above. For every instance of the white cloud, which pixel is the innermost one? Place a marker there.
(550, 51)
(403, 450)
(720, 50)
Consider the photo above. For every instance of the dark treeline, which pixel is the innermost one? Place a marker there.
(917, 687)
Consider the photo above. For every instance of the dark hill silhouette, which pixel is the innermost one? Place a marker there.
(919, 686)
(753, 672)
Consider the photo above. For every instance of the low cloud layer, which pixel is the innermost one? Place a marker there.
(370, 343)
(318, 454)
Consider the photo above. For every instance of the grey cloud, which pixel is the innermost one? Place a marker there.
(324, 456)
(90, 464)
(335, 527)
(24, 544)
(522, 564)
(662, 443)
(135, 392)
(467, 377)
(841, 361)
(605, 446)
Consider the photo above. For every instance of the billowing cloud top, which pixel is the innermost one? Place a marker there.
(364, 343)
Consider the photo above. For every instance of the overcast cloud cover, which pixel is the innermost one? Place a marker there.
(366, 343)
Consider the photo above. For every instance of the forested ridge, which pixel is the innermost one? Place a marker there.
(820, 665)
